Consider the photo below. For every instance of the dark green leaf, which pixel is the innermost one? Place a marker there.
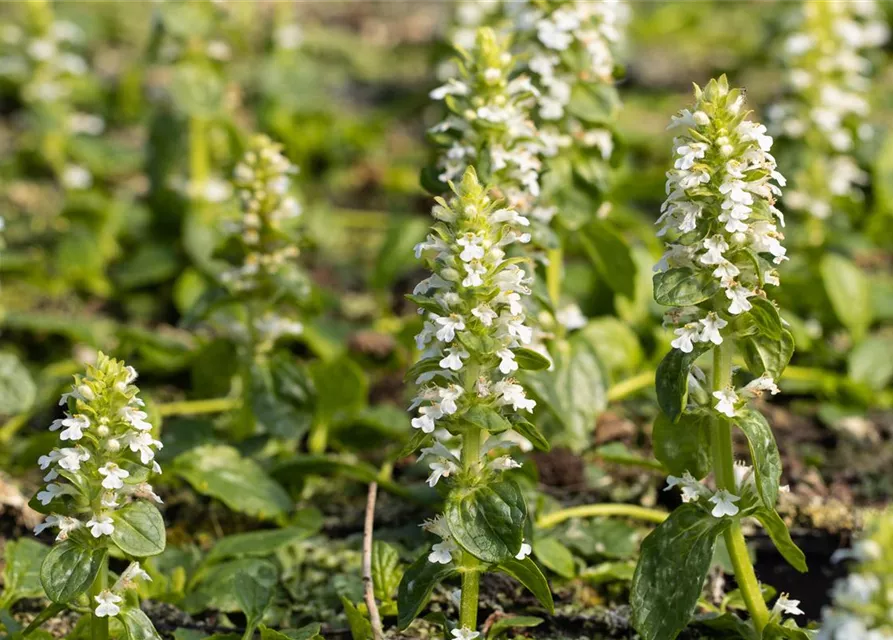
(781, 538)
(504, 625)
(529, 431)
(555, 556)
(488, 520)
(137, 625)
(765, 355)
(416, 586)
(69, 569)
(254, 589)
(730, 624)
(485, 418)
(674, 561)
(765, 316)
(530, 360)
(683, 445)
(139, 529)
(309, 632)
(763, 453)
(527, 573)
(671, 380)
(683, 287)
(428, 304)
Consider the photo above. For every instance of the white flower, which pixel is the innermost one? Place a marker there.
(465, 633)
(113, 475)
(142, 443)
(53, 491)
(692, 490)
(763, 383)
(448, 397)
(727, 400)
(686, 334)
(425, 421)
(507, 362)
(441, 553)
(449, 325)
(75, 427)
(76, 177)
(524, 551)
(71, 459)
(571, 317)
(504, 463)
(710, 327)
(739, 295)
(101, 526)
(65, 524)
(714, 247)
(453, 359)
(440, 469)
(130, 575)
(514, 395)
(725, 504)
(108, 604)
(785, 605)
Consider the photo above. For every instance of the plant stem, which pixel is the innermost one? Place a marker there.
(99, 627)
(470, 567)
(197, 407)
(629, 386)
(368, 582)
(553, 275)
(601, 510)
(724, 473)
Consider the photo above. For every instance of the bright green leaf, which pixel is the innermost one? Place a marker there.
(763, 453)
(488, 520)
(683, 287)
(781, 538)
(139, 529)
(849, 291)
(17, 389)
(555, 556)
(530, 360)
(137, 625)
(69, 568)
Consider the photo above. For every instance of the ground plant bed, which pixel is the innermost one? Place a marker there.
(459, 320)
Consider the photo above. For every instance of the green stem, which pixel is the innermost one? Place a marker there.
(197, 407)
(99, 627)
(553, 275)
(724, 473)
(629, 386)
(601, 510)
(470, 566)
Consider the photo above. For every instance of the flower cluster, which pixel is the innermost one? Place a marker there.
(474, 327)
(863, 601)
(573, 47)
(827, 105)
(489, 126)
(720, 210)
(108, 601)
(106, 453)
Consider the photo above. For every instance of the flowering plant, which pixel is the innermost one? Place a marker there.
(98, 497)
(863, 601)
(725, 245)
(472, 344)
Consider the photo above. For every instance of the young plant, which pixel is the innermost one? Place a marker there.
(863, 601)
(724, 247)
(472, 344)
(98, 498)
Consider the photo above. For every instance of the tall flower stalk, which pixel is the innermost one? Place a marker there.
(472, 344)
(97, 497)
(724, 244)
(823, 116)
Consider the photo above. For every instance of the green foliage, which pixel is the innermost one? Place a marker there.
(763, 453)
(683, 445)
(417, 585)
(488, 520)
(139, 529)
(21, 573)
(671, 380)
(69, 569)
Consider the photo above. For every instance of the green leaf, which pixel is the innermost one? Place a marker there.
(673, 565)
(137, 625)
(259, 543)
(781, 538)
(504, 625)
(763, 453)
(416, 587)
(765, 355)
(341, 388)
(254, 590)
(671, 380)
(17, 389)
(488, 520)
(527, 573)
(529, 431)
(765, 317)
(360, 628)
(849, 291)
(213, 587)
(139, 529)
(530, 360)
(21, 575)
(870, 361)
(683, 287)
(611, 255)
(308, 632)
(221, 472)
(485, 418)
(735, 599)
(68, 570)
(683, 445)
(786, 631)
(730, 624)
(386, 570)
(616, 344)
(574, 391)
(424, 302)
(555, 556)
